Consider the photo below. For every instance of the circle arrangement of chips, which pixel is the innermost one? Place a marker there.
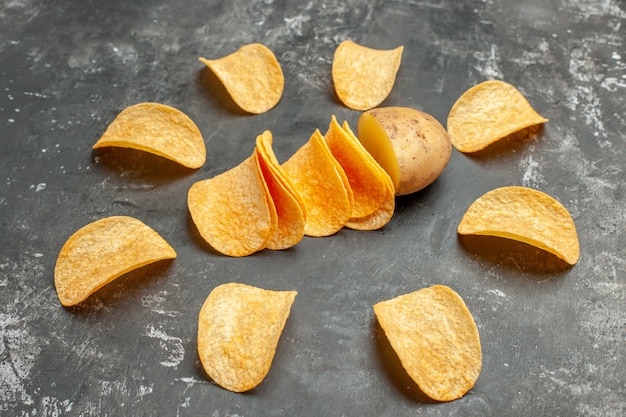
(102, 251)
(525, 215)
(158, 129)
(488, 112)
(364, 77)
(239, 327)
(435, 337)
(332, 181)
(252, 76)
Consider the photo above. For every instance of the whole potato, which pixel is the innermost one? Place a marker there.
(412, 146)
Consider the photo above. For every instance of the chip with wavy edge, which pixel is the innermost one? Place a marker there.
(102, 251)
(233, 211)
(488, 112)
(385, 211)
(363, 77)
(251, 75)
(372, 187)
(159, 129)
(239, 327)
(526, 215)
(366, 181)
(322, 185)
(436, 339)
(381, 216)
(290, 209)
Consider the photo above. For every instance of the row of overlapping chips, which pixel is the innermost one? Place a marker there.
(329, 183)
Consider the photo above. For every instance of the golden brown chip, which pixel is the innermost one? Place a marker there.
(290, 211)
(435, 337)
(364, 77)
(383, 214)
(264, 144)
(320, 181)
(239, 327)
(525, 215)
(252, 76)
(158, 129)
(102, 251)
(232, 211)
(380, 217)
(488, 112)
(364, 177)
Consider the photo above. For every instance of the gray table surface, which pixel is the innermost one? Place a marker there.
(553, 337)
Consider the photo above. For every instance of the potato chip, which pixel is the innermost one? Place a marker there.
(239, 327)
(385, 211)
(525, 215)
(232, 211)
(363, 77)
(380, 217)
(102, 251)
(322, 185)
(291, 215)
(252, 76)
(435, 337)
(366, 181)
(158, 129)
(488, 112)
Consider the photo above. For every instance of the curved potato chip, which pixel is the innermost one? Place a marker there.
(380, 217)
(435, 337)
(525, 215)
(102, 251)
(264, 143)
(158, 129)
(289, 206)
(385, 211)
(488, 112)
(363, 77)
(232, 211)
(239, 327)
(320, 181)
(366, 182)
(251, 75)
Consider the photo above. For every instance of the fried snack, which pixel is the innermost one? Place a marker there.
(290, 210)
(321, 182)
(366, 181)
(252, 76)
(363, 77)
(435, 337)
(488, 112)
(232, 211)
(525, 215)
(239, 327)
(385, 211)
(380, 217)
(102, 251)
(158, 129)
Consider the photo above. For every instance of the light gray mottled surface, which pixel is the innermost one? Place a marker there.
(553, 337)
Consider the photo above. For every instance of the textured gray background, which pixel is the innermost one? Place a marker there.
(553, 337)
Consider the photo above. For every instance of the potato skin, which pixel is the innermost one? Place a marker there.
(421, 145)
